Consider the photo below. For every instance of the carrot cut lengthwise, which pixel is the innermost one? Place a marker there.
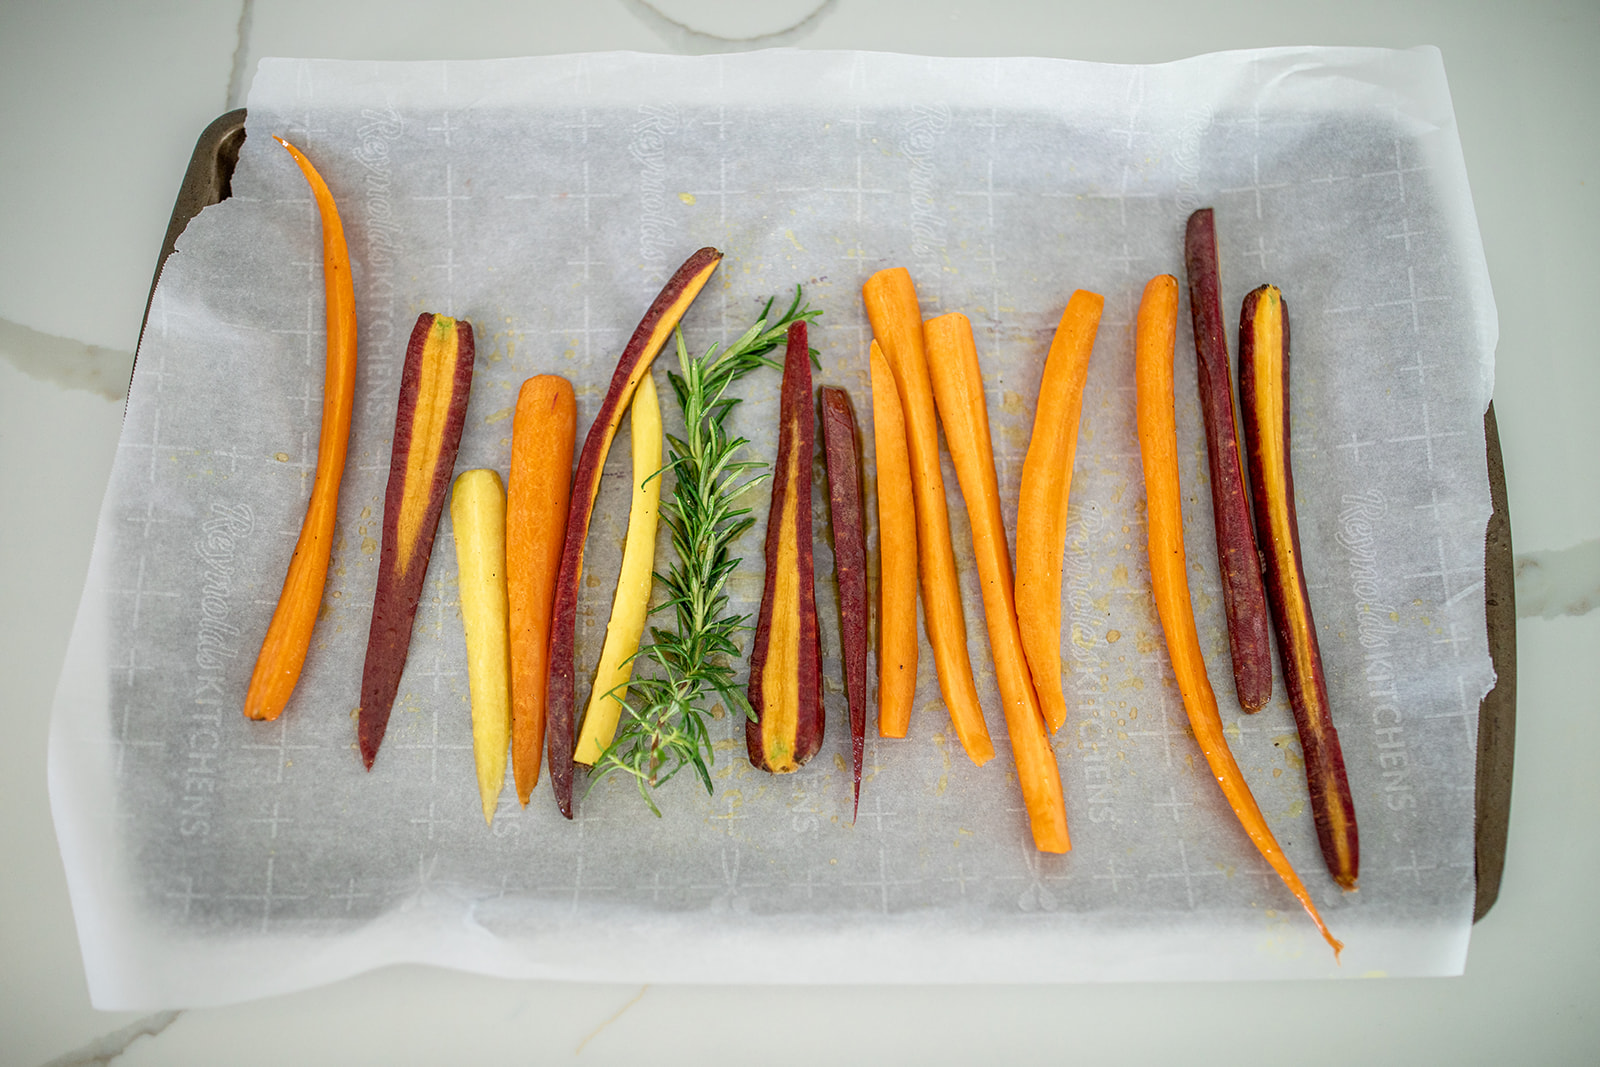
(786, 656)
(543, 433)
(1042, 500)
(434, 387)
(1243, 597)
(652, 332)
(631, 605)
(896, 318)
(897, 555)
(841, 447)
(283, 650)
(478, 516)
(958, 387)
(1264, 397)
(1169, 580)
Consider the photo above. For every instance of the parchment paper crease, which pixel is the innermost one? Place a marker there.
(211, 859)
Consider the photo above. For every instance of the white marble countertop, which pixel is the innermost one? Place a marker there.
(101, 107)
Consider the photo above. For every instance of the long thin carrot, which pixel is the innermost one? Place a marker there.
(1169, 582)
(896, 318)
(543, 432)
(958, 387)
(283, 650)
(1042, 499)
(897, 555)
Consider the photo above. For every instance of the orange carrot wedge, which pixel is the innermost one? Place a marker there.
(283, 650)
(896, 318)
(1042, 501)
(660, 319)
(958, 388)
(543, 432)
(1169, 581)
(897, 556)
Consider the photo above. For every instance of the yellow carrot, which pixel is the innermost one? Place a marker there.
(896, 318)
(1169, 580)
(632, 602)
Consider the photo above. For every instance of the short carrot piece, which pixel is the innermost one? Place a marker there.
(897, 555)
(958, 388)
(1169, 581)
(631, 605)
(1042, 500)
(896, 318)
(288, 639)
(543, 435)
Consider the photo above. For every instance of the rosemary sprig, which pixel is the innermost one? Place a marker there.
(663, 726)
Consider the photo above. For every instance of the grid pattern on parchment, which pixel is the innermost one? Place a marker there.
(259, 827)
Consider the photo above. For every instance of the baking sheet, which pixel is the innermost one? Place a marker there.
(213, 859)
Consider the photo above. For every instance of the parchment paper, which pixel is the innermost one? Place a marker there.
(213, 859)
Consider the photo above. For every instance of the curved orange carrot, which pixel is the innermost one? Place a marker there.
(897, 555)
(1169, 581)
(660, 319)
(896, 318)
(283, 650)
(958, 388)
(1264, 398)
(1042, 499)
(543, 433)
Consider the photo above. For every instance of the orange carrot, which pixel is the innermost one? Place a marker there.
(897, 556)
(543, 432)
(283, 650)
(1042, 500)
(897, 323)
(1169, 583)
(958, 388)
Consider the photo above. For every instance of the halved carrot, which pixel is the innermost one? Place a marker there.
(631, 604)
(958, 388)
(1244, 598)
(660, 319)
(896, 318)
(897, 555)
(1169, 579)
(283, 650)
(1264, 400)
(543, 432)
(1042, 500)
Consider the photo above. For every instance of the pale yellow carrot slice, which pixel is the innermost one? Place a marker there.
(631, 604)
